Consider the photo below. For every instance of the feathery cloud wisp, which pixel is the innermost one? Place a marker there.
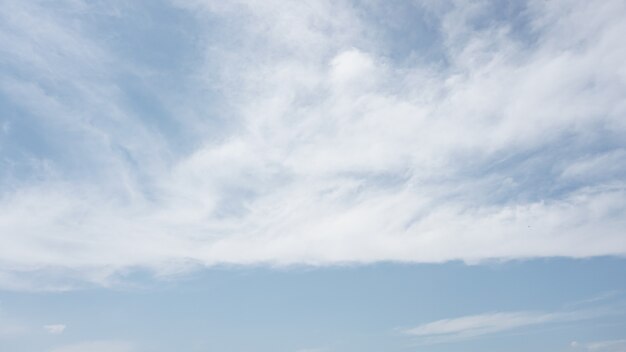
(467, 327)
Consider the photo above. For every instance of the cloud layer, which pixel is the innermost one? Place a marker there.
(318, 133)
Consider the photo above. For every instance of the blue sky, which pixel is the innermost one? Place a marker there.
(312, 176)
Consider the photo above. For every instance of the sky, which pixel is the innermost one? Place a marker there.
(312, 176)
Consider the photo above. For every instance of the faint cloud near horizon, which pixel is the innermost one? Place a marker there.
(472, 326)
(55, 329)
(601, 346)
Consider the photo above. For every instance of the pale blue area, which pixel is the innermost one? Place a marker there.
(339, 309)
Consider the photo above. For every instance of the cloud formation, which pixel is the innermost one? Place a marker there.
(281, 133)
(472, 326)
(601, 346)
(55, 329)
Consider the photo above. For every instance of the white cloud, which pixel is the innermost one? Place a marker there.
(55, 329)
(466, 327)
(353, 69)
(329, 151)
(601, 346)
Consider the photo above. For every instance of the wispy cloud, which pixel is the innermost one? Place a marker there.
(607, 346)
(472, 326)
(601, 297)
(601, 346)
(301, 134)
(55, 329)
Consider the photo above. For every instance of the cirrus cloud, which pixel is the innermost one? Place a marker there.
(297, 136)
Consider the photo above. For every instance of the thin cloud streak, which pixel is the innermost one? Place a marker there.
(474, 326)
